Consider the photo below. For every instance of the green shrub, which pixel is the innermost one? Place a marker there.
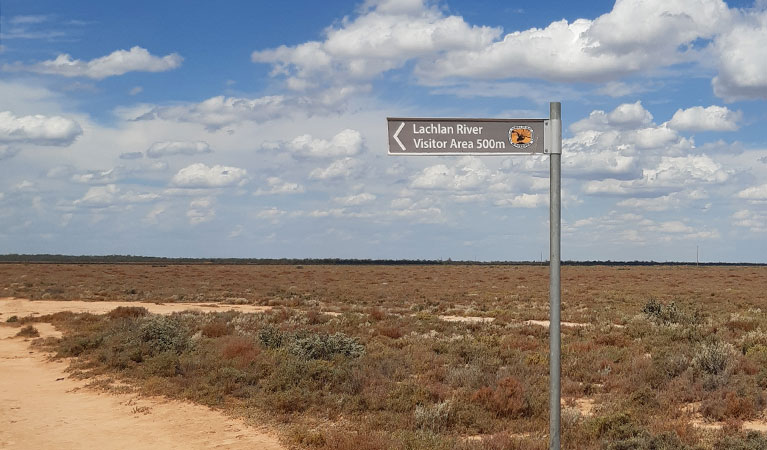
(12, 319)
(714, 361)
(163, 334)
(671, 313)
(326, 346)
(271, 337)
(752, 441)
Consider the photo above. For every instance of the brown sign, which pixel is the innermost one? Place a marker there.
(409, 136)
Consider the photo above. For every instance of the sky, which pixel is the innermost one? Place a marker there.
(258, 129)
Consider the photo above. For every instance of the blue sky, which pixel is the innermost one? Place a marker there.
(257, 129)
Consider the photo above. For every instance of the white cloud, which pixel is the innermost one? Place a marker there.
(755, 221)
(110, 195)
(135, 90)
(119, 62)
(633, 37)
(276, 185)
(167, 148)
(670, 174)
(624, 116)
(356, 199)
(201, 176)
(713, 118)
(468, 173)
(382, 37)
(345, 143)
(343, 168)
(38, 129)
(757, 193)
(741, 57)
(271, 214)
(220, 111)
(524, 201)
(201, 210)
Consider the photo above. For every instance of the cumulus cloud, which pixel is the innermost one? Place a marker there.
(38, 129)
(201, 210)
(712, 118)
(218, 112)
(343, 168)
(384, 36)
(757, 193)
(201, 176)
(755, 221)
(345, 143)
(119, 62)
(633, 37)
(111, 195)
(275, 185)
(167, 148)
(468, 173)
(524, 201)
(356, 199)
(624, 116)
(670, 174)
(741, 57)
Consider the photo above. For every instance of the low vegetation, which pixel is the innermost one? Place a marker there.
(650, 371)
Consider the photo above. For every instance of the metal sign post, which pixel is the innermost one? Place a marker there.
(434, 136)
(555, 223)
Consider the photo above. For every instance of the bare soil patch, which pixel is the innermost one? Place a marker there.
(43, 407)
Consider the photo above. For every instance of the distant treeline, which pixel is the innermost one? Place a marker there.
(129, 259)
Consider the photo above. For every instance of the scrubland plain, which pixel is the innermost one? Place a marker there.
(431, 357)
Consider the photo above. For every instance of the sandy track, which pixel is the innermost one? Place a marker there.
(42, 408)
(22, 307)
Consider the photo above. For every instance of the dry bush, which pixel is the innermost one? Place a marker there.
(216, 329)
(28, 331)
(239, 348)
(128, 312)
(507, 399)
(435, 418)
(390, 331)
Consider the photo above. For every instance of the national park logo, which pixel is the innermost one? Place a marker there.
(521, 136)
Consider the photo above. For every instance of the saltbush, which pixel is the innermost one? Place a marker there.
(326, 346)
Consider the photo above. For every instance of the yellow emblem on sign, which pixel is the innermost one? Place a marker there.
(521, 136)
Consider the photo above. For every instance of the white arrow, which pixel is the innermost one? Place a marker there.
(402, 125)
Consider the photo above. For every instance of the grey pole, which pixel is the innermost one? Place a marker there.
(555, 222)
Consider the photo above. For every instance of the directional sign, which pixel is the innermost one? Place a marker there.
(465, 136)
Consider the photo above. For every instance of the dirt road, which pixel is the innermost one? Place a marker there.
(42, 408)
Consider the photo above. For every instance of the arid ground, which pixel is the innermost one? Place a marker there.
(378, 357)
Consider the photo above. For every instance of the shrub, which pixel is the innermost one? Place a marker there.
(326, 346)
(271, 337)
(12, 319)
(713, 358)
(434, 418)
(28, 331)
(508, 399)
(671, 313)
(715, 361)
(215, 329)
(752, 339)
(752, 441)
(128, 312)
(163, 334)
